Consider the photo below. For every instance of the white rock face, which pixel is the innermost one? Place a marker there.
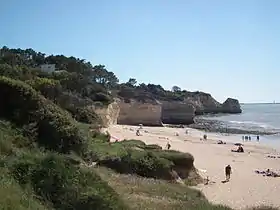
(135, 113)
(110, 114)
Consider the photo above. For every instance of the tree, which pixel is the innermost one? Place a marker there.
(131, 82)
(176, 88)
(104, 77)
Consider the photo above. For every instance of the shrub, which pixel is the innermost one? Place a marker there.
(85, 115)
(153, 147)
(12, 196)
(178, 158)
(143, 163)
(49, 88)
(134, 156)
(66, 186)
(50, 126)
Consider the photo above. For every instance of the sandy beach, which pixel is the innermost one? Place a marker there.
(246, 188)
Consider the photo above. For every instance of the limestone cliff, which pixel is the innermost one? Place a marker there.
(177, 113)
(110, 114)
(135, 113)
(151, 112)
(204, 103)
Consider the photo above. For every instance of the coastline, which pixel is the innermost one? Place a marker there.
(246, 188)
(216, 126)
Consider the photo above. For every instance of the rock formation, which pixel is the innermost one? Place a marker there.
(150, 112)
(231, 106)
(110, 114)
(177, 113)
(135, 113)
(204, 103)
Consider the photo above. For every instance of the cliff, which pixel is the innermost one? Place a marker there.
(204, 103)
(150, 112)
(177, 113)
(109, 115)
(135, 113)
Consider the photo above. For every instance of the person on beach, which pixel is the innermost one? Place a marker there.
(205, 137)
(228, 172)
(168, 145)
(242, 138)
(258, 138)
(138, 132)
(240, 149)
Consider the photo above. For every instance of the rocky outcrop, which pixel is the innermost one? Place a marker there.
(203, 103)
(177, 113)
(231, 106)
(110, 114)
(135, 113)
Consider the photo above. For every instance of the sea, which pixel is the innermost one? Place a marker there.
(256, 117)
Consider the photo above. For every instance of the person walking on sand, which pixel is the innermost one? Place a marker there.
(228, 172)
(168, 145)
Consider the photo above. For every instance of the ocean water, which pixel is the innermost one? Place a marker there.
(258, 117)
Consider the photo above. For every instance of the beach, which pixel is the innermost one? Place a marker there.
(245, 188)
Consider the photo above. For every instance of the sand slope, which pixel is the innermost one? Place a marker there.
(246, 188)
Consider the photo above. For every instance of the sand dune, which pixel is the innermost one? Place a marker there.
(246, 188)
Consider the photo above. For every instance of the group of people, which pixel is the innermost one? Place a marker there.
(268, 172)
(248, 138)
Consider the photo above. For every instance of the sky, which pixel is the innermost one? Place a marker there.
(229, 48)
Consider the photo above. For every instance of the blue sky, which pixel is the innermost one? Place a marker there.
(229, 48)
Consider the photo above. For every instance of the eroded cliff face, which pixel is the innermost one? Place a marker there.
(204, 103)
(135, 113)
(154, 113)
(110, 114)
(177, 113)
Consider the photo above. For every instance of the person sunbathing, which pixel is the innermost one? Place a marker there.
(240, 149)
(268, 172)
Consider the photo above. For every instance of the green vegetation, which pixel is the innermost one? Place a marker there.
(49, 139)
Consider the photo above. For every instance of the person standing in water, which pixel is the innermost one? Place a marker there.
(258, 138)
(228, 172)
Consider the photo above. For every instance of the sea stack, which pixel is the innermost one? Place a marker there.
(231, 106)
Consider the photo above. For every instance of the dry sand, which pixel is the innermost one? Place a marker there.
(246, 188)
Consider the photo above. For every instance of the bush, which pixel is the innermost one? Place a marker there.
(63, 184)
(50, 126)
(134, 156)
(143, 163)
(49, 88)
(12, 196)
(85, 115)
(153, 147)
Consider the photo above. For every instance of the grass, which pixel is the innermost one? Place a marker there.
(144, 193)
(12, 196)
(152, 194)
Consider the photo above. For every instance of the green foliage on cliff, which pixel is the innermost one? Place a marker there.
(81, 78)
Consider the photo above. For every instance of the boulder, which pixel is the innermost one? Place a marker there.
(231, 106)
(177, 113)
